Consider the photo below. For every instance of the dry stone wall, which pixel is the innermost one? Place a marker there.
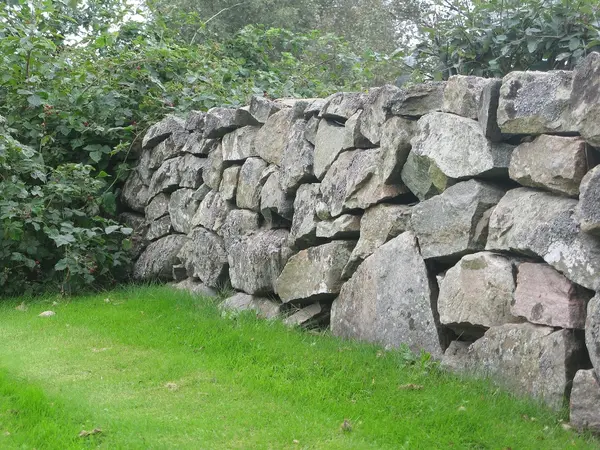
(461, 218)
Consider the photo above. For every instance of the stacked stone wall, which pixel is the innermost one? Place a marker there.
(461, 218)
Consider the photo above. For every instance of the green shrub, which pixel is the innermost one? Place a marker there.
(52, 234)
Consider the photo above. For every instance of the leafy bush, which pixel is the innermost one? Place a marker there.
(52, 233)
(492, 38)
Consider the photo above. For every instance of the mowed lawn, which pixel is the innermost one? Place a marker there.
(151, 368)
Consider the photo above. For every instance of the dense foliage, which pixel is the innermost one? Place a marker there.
(52, 231)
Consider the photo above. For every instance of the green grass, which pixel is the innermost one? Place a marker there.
(154, 368)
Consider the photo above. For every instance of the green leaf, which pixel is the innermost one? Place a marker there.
(111, 229)
(96, 156)
(61, 265)
(34, 100)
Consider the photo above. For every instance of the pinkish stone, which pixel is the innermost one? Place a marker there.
(545, 296)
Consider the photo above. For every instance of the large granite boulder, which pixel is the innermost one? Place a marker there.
(264, 308)
(212, 212)
(487, 113)
(342, 105)
(585, 402)
(162, 130)
(272, 138)
(452, 147)
(229, 181)
(252, 177)
(195, 121)
(180, 172)
(585, 98)
(195, 288)
(303, 232)
(311, 316)
(239, 144)
(588, 208)
(315, 273)
(214, 168)
(274, 203)
(261, 108)
(592, 332)
(196, 144)
(536, 103)
(220, 121)
(456, 222)
(554, 163)
(135, 194)
(159, 228)
(462, 95)
(537, 223)
(239, 223)
(389, 300)
(298, 159)
(346, 226)
(376, 112)
(477, 293)
(171, 147)
(527, 359)
(396, 134)
(256, 261)
(183, 205)
(418, 100)
(157, 261)
(353, 136)
(546, 297)
(157, 207)
(355, 181)
(204, 257)
(328, 145)
(378, 225)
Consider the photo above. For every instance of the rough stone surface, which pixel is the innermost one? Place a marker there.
(158, 207)
(239, 223)
(272, 138)
(315, 273)
(183, 171)
(262, 108)
(195, 287)
(314, 108)
(546, 297)
(143, 168)
(585, 98)
(214, 168)
(250, 183)
(229, 182)
(588, 208)
(135, 193)
(477, 292)
(455, 356)
(183, 205)
(310, 316)
(263, 307)
(592, 332)
(554, 163)
(537, 223)
(346, 226)
(487, 113)
(310, 133)
(452, 147)
(239, 144)
(376, 113)
(159, 228)
(328, 145)
(212, 212)
(162, 130)
(274, 203)
(455, 222)
(195, 121)
(418, 100)
(138, 224)
(171, 147)
(157, 261)
(389, 300)
(355, 181)
(179, 272)
(528, 359)
(204, 257)
(298, 159)
(220, 121)
(353, 137)
(536, 103)
(462, 95)
(256, 261)
(396, 135)
(196, 145)
(303, 232)
(378, 225)
(342, 105)
(585, 402)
